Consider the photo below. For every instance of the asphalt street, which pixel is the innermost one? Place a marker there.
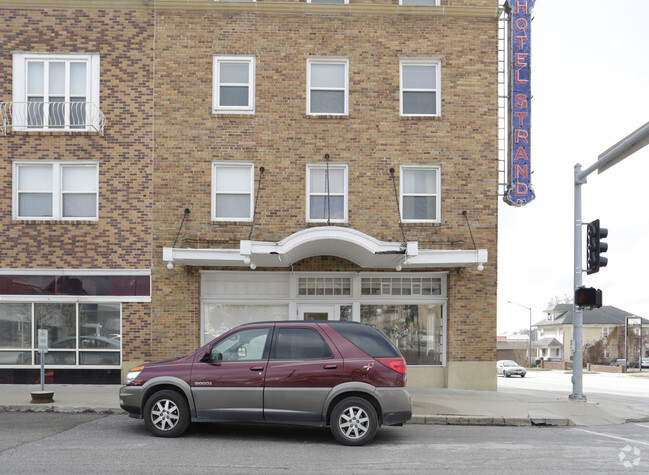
(93, 443)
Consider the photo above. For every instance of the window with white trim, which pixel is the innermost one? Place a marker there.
(420, 194)
(327, 86)
(56, 190)
(419, 2)
(56, 92)
(79, 334)
(420, 87)
(326, 193)
(327, 1)
(234, 85)
(232, 187)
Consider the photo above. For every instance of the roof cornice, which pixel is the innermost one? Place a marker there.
(260, 7)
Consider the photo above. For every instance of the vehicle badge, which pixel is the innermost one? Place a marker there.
(368, 367)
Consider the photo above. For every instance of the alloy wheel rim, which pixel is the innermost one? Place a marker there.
(164, 414)
(354, 422)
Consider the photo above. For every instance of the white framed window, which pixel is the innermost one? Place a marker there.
(327, 86)
(420, 87)
(56, 92)
(420, 193)
(326, 193)
(419, 2)
(327, 1)
(233, 85)
(56, 190)
(232, 191)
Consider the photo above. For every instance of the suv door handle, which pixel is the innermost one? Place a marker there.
(330, 366)
(257, 368)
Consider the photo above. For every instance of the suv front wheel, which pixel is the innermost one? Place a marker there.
(354, 421)
(166, 414)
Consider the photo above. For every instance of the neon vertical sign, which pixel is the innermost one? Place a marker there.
(519, 187)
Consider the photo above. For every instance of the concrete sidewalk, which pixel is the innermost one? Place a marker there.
(430, 406)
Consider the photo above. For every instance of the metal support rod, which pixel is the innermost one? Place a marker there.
(578, 356)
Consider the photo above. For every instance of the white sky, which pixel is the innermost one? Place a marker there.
(590, 86)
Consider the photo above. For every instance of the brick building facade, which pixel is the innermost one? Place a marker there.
(266, 160)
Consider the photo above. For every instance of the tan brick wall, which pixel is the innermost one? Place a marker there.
(281, 137)
(121, 236)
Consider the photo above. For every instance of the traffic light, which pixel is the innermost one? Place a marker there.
(595, 247)
(588, 297)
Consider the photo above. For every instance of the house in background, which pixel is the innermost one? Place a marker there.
(603, 335)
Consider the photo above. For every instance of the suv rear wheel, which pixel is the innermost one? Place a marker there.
(166, 414)
(354, 421)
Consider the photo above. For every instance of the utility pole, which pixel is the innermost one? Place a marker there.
(618, 152)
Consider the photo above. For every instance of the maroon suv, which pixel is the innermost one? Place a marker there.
(341, 374)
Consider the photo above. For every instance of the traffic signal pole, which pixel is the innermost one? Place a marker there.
(578, 318)
(618, 152)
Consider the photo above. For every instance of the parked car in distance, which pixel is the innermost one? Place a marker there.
(618, 362)
(509, 367)
(645, 362)
(345, 375)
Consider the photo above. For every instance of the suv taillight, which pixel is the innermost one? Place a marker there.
(395, 364)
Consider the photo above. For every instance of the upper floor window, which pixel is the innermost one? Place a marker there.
(327, 193)
(56, 92)
(234, 84)
(419, 2)
(232, 187)
(420, 194)
(327, 86)
(420, 87)
(56, 190)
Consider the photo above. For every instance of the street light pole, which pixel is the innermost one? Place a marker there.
(530, 331)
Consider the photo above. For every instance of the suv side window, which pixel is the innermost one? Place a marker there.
(367, 338)
(300, 344)
(244, 345)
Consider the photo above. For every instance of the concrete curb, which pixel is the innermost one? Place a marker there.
(61, 409)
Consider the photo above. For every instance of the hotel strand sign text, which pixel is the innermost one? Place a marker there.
(519, 188)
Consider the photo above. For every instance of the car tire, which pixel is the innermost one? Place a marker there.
(166, 414)
(354, 421)
(505, 374)
(522, 375)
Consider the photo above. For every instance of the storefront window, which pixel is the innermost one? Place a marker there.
(416, 330)
(219, 318)
(78, 334)
(15, 333)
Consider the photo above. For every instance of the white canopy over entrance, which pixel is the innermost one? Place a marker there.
(346, 243)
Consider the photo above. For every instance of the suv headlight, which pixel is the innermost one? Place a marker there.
(134, 373)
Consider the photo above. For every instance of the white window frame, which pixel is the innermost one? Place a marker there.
(327, 60)
(433, 3)
(437, 90)
(218, 164)
(217, 108)
(20, 61)
(438, 194)
(57, 189)
(345, 194)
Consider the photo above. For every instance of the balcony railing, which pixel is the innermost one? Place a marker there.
(74, 116)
